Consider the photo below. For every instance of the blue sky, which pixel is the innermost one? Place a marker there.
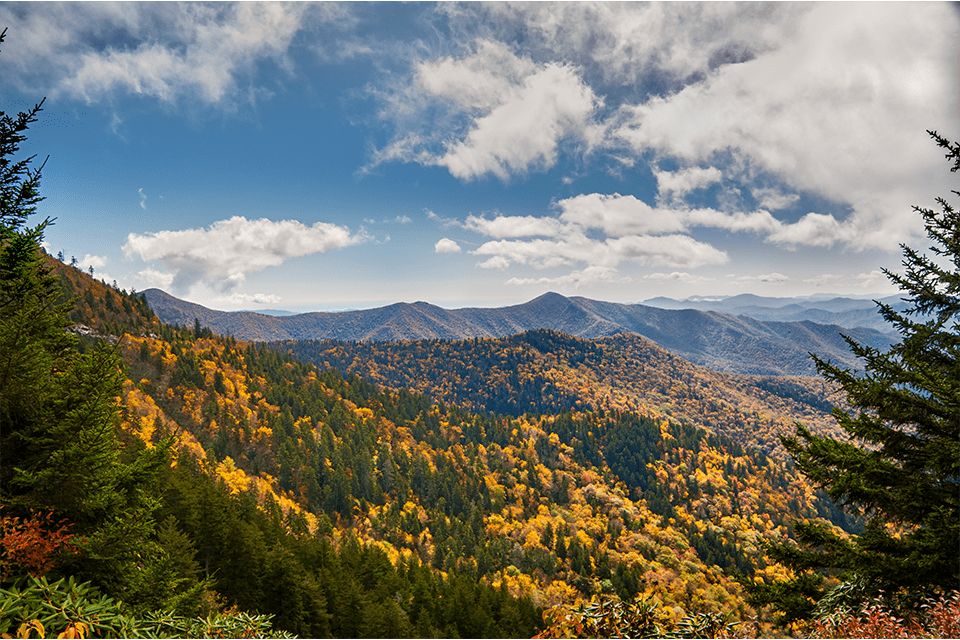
(328, 156)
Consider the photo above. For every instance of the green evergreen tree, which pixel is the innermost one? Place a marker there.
(899, 467)
(59, 408)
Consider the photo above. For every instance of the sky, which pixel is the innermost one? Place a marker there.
(340, 156)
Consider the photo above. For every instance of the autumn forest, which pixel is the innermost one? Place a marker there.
(162, 480)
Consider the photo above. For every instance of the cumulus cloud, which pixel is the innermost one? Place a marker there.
(835, 109)
(630, 230)
(629, 43)
(673, 250)
(494, 262)
(513, 226)
(89, 260)
(221, 255)
(524, 130)
(678, 183)
(618, 215)
(167, 52)
(490, 112)
(773, 199)
(589, 275)
(773, 100)
(446, 245)
(815, 229)
(151, 277)
(678, 276)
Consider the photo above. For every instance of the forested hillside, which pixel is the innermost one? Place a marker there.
(277, 461)
(547, 372)
(551, 506)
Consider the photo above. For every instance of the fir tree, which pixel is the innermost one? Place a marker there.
(899, 467)
(59, 408)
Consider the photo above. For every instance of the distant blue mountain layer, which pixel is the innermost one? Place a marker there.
(845, 312)
(723, 342)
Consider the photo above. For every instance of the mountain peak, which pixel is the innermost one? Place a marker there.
(713, 339)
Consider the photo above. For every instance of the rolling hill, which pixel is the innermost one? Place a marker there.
(734, 344)
(545, 372)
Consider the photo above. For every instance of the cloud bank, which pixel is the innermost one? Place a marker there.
(170, 52)
(221, 255)
(769, 105)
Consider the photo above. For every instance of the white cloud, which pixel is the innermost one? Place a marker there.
(589, 275)
(815, 229)
(155, 278)
(88, 261)
(668, 250)
(679, 276)
(166, 51)
(871, 280)
(629, 43)
(541, 252)
(835, 109)
(818, 99)
(678, 183)
(495, 262)
(222, 255)
(143, 199)
(476, 82)
(513, 226)
(97, 263)
(490, 112)
(523, 132)
(774, 199)
(671, 251)
(774, 278)
(446, 245)
(618, 215)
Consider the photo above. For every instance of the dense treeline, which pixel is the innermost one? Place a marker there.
(554, 507)
(260, 559)
(181, 540)
(544, 372)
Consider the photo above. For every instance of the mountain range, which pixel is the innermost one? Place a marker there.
(719, 341)
(845, 312)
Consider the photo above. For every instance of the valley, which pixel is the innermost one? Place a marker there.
(542, 467)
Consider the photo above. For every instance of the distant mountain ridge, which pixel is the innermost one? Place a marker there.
(735, 344)
(845, 312)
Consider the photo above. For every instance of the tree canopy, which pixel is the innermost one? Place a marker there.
(59, 408)
(899, 464)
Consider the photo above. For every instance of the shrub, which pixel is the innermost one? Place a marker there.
(37, 607)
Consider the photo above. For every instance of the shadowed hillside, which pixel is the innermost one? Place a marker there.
(547, 372)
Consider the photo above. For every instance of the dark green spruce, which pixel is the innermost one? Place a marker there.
(899, 467)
